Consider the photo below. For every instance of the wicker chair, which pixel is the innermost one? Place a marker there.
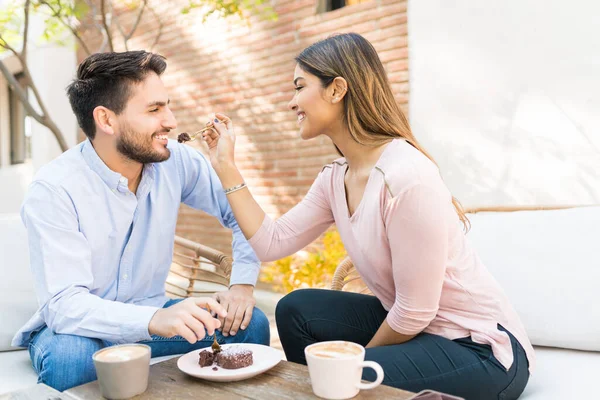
(346, 278)
(346, 274)
(197, 270)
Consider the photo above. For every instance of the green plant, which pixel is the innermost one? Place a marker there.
(313, 268)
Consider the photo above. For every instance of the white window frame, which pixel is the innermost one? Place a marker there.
(12, 64)
(323, 6)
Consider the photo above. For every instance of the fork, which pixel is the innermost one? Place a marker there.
(206, 128)
(195, 134)
(216, 347)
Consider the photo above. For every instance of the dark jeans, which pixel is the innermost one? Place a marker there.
(460, 367)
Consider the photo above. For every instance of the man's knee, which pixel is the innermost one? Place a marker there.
(65, 361)
(260, 320)
(258, 331)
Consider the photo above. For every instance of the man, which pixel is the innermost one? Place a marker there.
(101, 223)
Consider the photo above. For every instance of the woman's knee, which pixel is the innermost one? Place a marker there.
(294, 303)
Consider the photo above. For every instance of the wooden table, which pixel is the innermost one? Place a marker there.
(36, 392)
(285, 381)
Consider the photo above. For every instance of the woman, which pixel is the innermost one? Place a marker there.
(438, 319)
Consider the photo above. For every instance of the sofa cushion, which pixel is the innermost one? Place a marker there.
(563, 374)
(547, 263)
(17, 296)
(16, 371)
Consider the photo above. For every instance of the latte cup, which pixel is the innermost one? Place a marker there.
(335, 369)
(122, 370)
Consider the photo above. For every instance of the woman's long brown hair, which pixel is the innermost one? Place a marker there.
(371, 113)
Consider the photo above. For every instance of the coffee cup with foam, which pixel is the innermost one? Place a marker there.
(123, 370)
(335, 369)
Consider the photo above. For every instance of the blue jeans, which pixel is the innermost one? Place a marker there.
(65, 361)
(460, 367)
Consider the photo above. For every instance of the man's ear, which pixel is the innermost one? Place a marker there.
(338, 89)
(105, 120)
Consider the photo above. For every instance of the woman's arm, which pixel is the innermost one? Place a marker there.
(385, 335)
(248, 213)
(221, 147)
(417, 222)
(270, 240)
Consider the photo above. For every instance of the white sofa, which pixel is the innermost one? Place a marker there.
(546, 261)
(17, 303)
(549, 266)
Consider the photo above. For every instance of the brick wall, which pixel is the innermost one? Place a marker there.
(246, 72)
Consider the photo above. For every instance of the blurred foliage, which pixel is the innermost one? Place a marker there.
(62, 16)
(57, 17)
(312, 268)
(227, 8)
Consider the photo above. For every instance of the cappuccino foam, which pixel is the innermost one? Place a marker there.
(121, 353)
(335, 350)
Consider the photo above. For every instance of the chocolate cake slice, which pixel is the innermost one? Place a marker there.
(234, 358)
(206, 358)
(184, 137)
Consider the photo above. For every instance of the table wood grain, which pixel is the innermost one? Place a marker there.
(285, 381)
(36, 392)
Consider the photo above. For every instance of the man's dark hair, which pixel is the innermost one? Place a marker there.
(105, 79)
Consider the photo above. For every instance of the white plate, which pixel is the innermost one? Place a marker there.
(264, 358)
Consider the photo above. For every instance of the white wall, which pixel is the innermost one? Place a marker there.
(14, 180)
(506, 96)
(52, 69)
(55, 69)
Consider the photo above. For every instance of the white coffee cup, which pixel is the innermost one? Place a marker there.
(123, 370)
(335, 369)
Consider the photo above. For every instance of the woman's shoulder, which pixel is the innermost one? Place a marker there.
(329, 170)
(403, 166)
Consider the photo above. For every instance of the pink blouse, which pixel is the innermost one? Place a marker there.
(407, 243)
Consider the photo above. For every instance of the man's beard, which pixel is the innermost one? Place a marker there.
(138, 147)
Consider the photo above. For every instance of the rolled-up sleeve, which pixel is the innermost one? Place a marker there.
(60, 257)
(202, 190)
(417, 230)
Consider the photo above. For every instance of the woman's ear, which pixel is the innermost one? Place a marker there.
(338, 87)
(105, 120)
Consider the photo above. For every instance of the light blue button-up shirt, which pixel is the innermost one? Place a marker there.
(100, 254)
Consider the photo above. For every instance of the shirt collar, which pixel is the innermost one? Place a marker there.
(110, 177)
(114, 180)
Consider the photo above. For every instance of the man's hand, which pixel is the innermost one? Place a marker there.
(188, 319)
(239, 303)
